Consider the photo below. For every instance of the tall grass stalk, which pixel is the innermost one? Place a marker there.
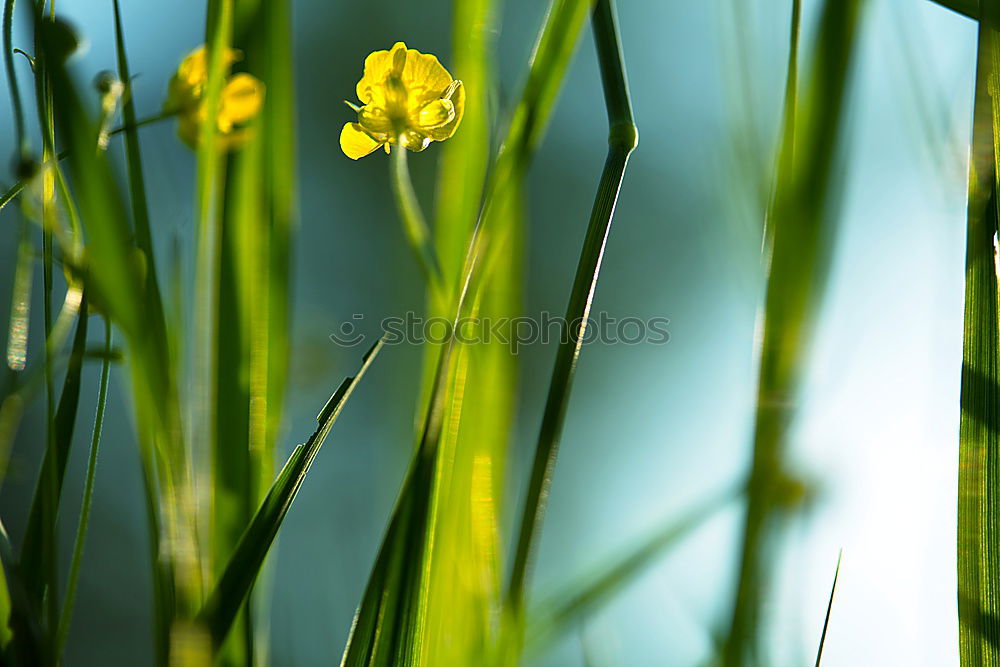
(801, 227)
(623, 138)
(979, 435)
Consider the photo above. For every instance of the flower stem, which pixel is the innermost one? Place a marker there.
(414, 223)
(14, 190)
(88, 496)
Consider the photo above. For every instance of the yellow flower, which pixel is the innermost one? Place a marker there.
(240, 101)
(408, 98)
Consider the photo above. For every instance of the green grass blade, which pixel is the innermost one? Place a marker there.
(33, 556)
(803, 226)
(136, 178)
(15, 92)
(464, 582)
(240, 572)
(253, 300)
(562, 611)
(88, 495)
(829, 609)
(979, 433)
(622, 140)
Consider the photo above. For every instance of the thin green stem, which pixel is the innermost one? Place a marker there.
(88, 495)
(15, 93)
(14, 190)
(414, 223)
(801, 224)
(622, 140)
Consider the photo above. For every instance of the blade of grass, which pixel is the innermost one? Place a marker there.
(15, 92)
(560, 612)
(253, 302)
(803, 226)
(240, 572)
(978, 542)
(623, 138)
(88, 494)
(50, 480)
(49, 503)
(829, 608)
(463, 589)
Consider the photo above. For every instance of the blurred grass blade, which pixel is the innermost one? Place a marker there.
(622, 140)
(553, 617)
(257, 208)
(979, 439)
(20, 302)
(829, 609)
(802, 218)
(241, 571)
(463, 585)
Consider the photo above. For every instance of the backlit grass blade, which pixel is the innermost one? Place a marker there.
(802, 219)
(979, 434)
(257, 216)
(623, 138)
(463, 584)
(240, 572)
(559, 613)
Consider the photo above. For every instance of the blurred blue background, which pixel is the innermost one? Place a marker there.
(651, 429)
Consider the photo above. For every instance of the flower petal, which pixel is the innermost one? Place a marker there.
(424, 76)
(375, 120)
(355, 142)
(378, 66)
(242, 99)
(447, 130)
(435, 114)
